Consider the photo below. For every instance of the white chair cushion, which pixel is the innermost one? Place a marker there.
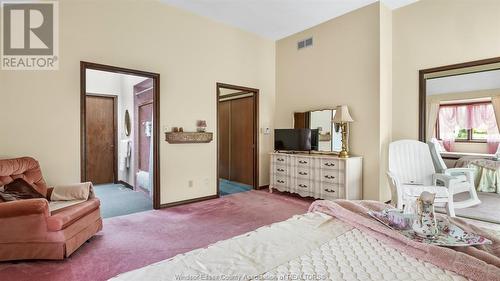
(416, 190)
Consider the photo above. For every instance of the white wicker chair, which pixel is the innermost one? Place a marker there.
(412, 172)
(464, 178)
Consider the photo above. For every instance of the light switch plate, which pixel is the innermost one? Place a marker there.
(266, 131)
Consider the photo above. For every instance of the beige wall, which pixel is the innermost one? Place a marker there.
(342, 67)
(41, 109)
(432, 33)
(385, 125)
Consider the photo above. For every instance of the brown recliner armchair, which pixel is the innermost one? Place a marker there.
(29, 231)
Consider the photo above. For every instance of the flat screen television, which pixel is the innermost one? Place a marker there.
(295, 139)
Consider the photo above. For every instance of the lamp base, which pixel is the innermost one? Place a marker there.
(344, 154)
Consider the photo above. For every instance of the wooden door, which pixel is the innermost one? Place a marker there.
(301, 120)
(100, 139)
(242, 140)
(224, 139)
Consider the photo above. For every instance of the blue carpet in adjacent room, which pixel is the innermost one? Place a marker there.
(119, 200)
(229, 187)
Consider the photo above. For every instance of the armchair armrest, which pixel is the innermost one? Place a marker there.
(446, 179)
(459, 170)
(393, 180)
(396, 193)
(468, 172)
(24, 208)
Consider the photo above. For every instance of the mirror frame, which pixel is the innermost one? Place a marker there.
(334, 152)
(422, 93)
(128, 125)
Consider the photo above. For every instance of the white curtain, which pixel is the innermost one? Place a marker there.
(494, 140)
(431, 119)
(495, 102)
(479, 116)
(447, 125)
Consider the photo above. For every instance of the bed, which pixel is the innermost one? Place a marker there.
(486, 171)
(312, 246)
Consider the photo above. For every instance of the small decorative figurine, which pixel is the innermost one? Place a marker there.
(425, 224)
(201, 126)
(181, 129)
(175, 129)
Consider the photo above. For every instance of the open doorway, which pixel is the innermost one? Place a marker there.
(237, 137)
(120, 140)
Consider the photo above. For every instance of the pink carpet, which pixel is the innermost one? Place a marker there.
(136, 240)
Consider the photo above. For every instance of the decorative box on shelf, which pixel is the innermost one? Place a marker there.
(189, 137)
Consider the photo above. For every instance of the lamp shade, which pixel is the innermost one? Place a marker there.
(342, 114)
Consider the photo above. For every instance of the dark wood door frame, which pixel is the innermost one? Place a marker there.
(422, 88)
(115, 134)
(242, 90)
(156, 118)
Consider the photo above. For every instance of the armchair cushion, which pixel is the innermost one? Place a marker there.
(60, 219)
(19, 189)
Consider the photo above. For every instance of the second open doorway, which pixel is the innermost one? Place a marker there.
(237, 139)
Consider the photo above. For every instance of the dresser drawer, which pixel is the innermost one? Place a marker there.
(303, 173)
(330, 191)
(280, 159)
(301, 184)
(280, 170)
(329, 163)
(332, 176)
(303, 161)
(280, 181)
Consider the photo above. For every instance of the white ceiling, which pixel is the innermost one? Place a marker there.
(276, 19)
(486, 80)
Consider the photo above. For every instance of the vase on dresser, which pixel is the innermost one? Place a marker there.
(317, 175)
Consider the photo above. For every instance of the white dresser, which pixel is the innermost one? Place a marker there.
(317, 175)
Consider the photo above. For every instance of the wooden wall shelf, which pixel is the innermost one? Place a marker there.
(189, 137)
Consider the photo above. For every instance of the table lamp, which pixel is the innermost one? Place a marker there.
(343, 117)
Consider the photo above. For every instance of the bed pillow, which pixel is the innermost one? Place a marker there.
(19, 189)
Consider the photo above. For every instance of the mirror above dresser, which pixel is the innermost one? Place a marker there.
(329, 134)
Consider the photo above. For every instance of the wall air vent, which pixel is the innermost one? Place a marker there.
(305, 43)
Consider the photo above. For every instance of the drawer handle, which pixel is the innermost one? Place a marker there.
(302, 185)
(280, 170)
(329, 177)
(302, 162)
(330, 164)
(280, 159)
(303, 173)
(329, 190)
(280, 181)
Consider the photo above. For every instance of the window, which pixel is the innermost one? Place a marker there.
(468, 122)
